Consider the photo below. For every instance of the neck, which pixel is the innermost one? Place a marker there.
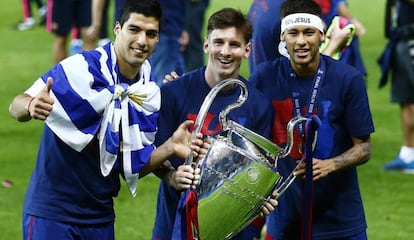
(126, 69)
(213, 77)
(306, 70)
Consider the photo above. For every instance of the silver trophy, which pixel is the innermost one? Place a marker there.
(238, 172)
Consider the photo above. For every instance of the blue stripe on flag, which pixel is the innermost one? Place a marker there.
(147, 123)
(139, 158)
(111, 140)
(81, 113)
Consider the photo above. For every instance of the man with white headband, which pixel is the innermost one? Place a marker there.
(301, 19)
(324, 201)
(265, 18)
(337, 38)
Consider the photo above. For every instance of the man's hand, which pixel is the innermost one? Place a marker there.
(360, 28)
(40, 106)
(184, 177)
(181, 141)
(358, 154)
(170, 77)
(269, 205)
(338, 36)
(321, 169)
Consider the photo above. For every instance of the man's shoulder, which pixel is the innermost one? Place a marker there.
(276, 69)
(193, 75)
(255, 94)
(339, 67)
(187, 81)
(272, 64)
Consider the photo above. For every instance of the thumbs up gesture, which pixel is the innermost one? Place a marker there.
(40, 106)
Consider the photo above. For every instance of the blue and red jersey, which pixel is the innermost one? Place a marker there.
(181, 100)
(342, 106)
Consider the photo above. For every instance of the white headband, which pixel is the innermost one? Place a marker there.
(301, 19)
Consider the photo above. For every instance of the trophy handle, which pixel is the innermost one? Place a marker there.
(282, 186)
(242, 97)
(206, 105)
(290, 130)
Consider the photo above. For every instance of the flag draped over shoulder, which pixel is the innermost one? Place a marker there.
(90, 101)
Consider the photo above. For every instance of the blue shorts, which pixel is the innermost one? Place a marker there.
(67, 14)
(358, 236)
(36, 228)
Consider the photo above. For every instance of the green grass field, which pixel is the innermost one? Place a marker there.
(388, 197)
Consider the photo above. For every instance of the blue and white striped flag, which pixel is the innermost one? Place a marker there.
(90, 101)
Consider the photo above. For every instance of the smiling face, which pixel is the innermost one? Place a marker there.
(302, 43)
(134, 42)
(226, 49)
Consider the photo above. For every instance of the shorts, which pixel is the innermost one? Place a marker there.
(402, 85)
(67, 14)
(358, 236)
(36, 228)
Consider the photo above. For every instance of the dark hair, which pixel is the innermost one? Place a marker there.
(148, 8)
(299, 6)
(230, 17)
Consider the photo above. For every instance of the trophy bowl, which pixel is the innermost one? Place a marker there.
(234, 183)
(238, 172)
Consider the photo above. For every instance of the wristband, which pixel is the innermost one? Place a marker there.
(29, 103)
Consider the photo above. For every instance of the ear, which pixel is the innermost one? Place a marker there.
(323, 36)
(205, 45)
(282, 36)
(248, 49)
(117, 28)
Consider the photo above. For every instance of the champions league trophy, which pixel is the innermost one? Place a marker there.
(238, 172)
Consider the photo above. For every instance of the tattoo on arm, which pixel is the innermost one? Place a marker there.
(357, 155)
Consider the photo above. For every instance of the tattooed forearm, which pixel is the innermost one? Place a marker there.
(358, 154)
